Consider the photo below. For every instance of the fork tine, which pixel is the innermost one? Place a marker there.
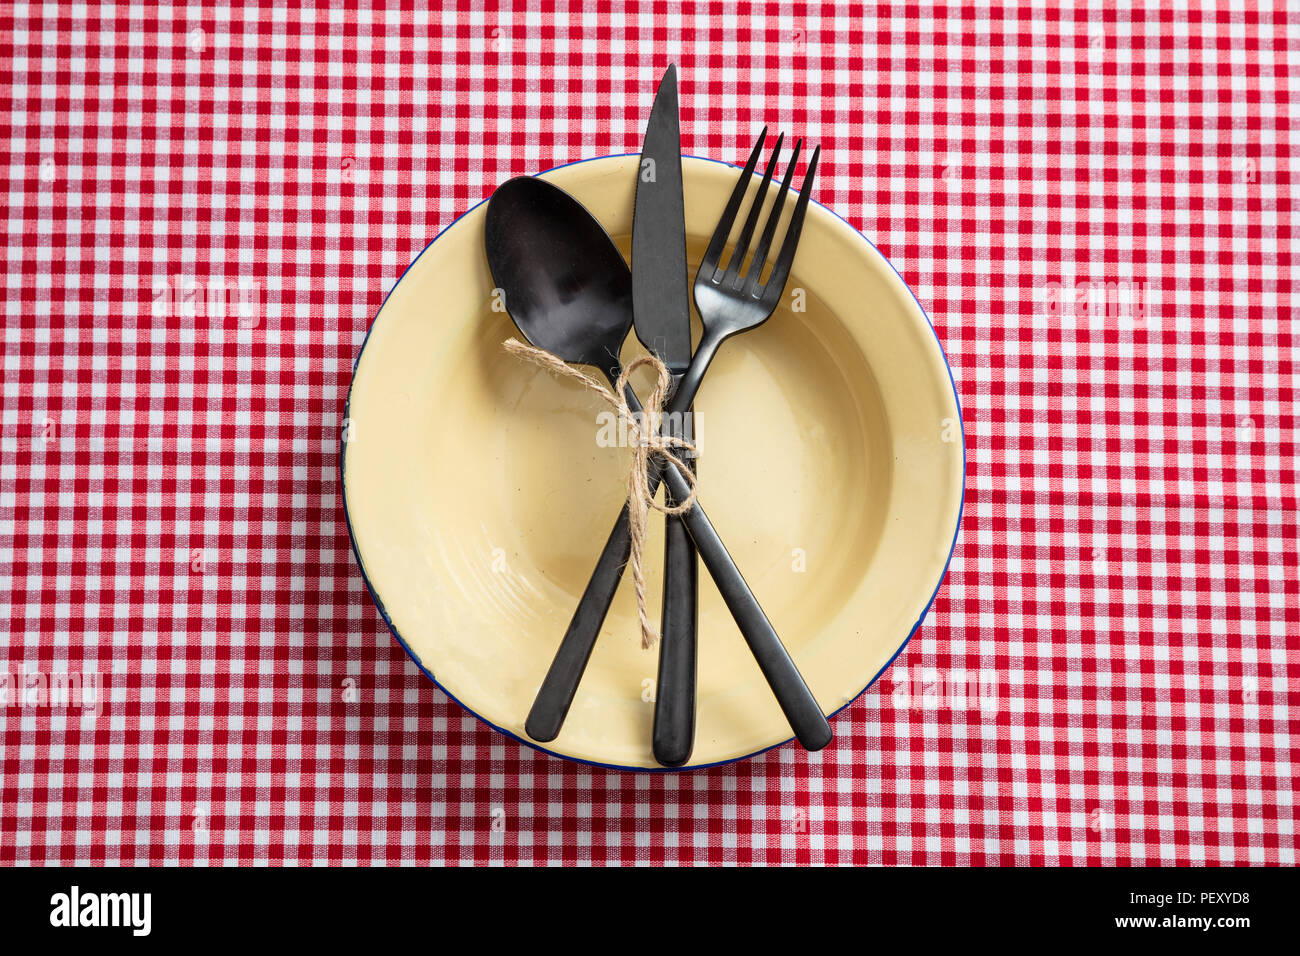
(747, 231)
(775, 284)
(769, 230)
(720, 234)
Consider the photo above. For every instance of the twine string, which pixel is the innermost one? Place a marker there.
(647, 445)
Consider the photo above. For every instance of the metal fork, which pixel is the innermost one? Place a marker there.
(729, 303)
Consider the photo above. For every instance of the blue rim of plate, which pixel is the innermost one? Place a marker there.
(383, 611)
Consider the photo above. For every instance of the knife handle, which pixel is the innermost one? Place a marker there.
(674, 721)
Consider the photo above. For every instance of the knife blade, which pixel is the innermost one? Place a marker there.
(661, 314)
(660, 297)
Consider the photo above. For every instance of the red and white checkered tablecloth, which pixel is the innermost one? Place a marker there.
(205, 205)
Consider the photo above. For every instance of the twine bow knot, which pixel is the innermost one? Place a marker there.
(648, 443)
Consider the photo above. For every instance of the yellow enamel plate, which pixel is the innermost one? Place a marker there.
(480, 489)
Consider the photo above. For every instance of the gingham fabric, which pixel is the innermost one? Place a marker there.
(205, 206)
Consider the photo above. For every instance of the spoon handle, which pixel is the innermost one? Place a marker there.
(554, 697)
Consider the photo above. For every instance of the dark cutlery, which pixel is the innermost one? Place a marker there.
(514, 240)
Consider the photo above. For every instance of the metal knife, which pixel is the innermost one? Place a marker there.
(662, 318)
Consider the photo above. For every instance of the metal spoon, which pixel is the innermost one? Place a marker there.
(569, 291)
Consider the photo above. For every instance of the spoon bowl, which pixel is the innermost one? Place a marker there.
(572, 298)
